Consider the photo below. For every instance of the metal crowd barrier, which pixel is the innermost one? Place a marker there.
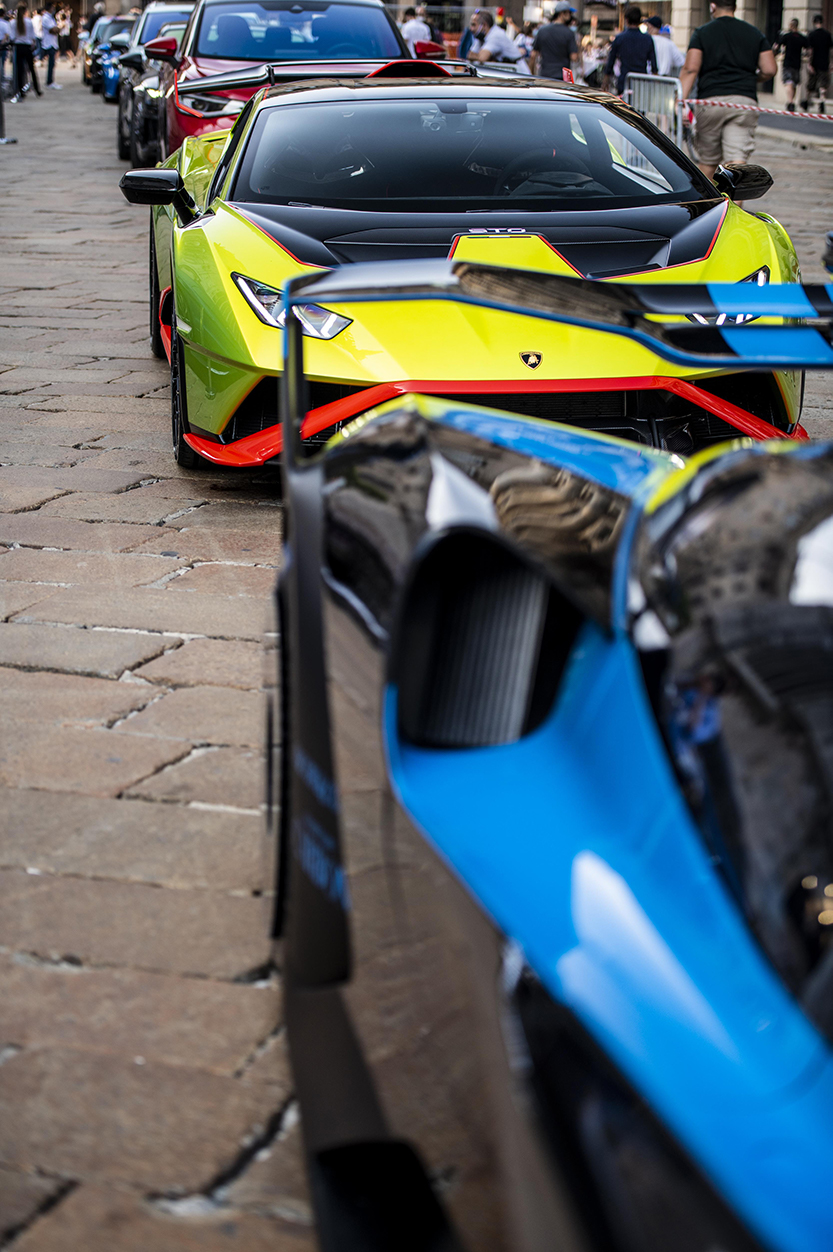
(660, 100)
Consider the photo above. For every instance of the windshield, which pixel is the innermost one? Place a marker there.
(466, 153)
(154, 22)
(285, 30)
(111, 27)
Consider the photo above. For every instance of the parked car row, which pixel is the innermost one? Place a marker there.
(174, 43)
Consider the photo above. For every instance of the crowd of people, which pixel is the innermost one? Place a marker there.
(31, 38)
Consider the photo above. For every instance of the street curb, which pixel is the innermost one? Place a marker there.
(795, 140)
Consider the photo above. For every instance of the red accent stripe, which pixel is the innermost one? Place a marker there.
(255, 449)
(420, 72)
(164, 328)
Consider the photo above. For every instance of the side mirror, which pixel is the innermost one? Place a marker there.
(120, 41)
(427, 50)
(156, 187)
(132, 61)
(742, 182)
(164, 49)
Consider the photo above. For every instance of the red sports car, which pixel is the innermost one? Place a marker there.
(228, 35)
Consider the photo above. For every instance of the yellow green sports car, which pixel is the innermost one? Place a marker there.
(483, 168)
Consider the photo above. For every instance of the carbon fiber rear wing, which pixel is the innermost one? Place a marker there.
(273, 73)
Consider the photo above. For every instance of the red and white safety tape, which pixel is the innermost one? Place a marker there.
(756, 108)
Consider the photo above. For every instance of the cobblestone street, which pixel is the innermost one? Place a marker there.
(145, 1099)
(141, 1054)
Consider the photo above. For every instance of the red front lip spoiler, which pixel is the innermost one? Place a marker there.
(266, 444)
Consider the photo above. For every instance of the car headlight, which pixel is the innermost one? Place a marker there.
(213, 106)
(318, 323)
(760, 278)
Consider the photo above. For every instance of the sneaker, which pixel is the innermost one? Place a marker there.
(54, 86)
(791, 108)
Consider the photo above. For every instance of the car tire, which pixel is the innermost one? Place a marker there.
(184, 454)
(122, 144)
(142, 154)
(157, 345)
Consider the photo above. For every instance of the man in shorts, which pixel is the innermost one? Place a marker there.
(793, 44)
(726, 56)
(819, 43)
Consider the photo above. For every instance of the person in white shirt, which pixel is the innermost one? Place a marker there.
(5, 43)
(23, 34)
(669, 58)
(49, 42)
(493, 44)
(414, 30)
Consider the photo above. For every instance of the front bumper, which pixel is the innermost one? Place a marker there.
(731, 420)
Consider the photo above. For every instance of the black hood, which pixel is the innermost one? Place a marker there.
(598, 244)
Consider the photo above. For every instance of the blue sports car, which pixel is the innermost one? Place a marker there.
(553, 793)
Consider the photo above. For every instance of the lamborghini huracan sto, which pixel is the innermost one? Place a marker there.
(540, 177)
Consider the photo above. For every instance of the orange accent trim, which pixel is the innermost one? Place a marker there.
(260, 447)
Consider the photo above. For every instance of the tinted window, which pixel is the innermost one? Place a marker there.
(461, 152)
(284, 30)
(154, 22)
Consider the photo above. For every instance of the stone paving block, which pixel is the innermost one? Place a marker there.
(100, 1118)
(202, 715)
(276, 1181)
(96, 762)
(97, 1220)
(166, 844)
(216, 662)
(263, 519)
(78, 478)
(228, 776)
(17, 596)
(47, 453)
(16, 499)
(204, 933)
(228, 580)
(35, 530)
(210, 544)
(199, 1023)
(131, 506)
(128, 570)
(98, 652)
(21, 1195)
(150, 609)
(59, 699)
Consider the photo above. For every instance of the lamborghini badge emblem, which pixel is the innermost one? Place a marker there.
(531, 359)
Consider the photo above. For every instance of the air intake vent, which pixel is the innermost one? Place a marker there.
(482, 647)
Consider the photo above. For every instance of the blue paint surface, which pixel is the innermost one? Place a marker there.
(576, 841)
(788, 299)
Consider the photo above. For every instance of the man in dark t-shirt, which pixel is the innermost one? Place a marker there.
(793, 44)
(726, 56)
(554, 46)
(819, 43)
(633, 50)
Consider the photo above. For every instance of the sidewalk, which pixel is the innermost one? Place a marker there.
(145, 1100)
